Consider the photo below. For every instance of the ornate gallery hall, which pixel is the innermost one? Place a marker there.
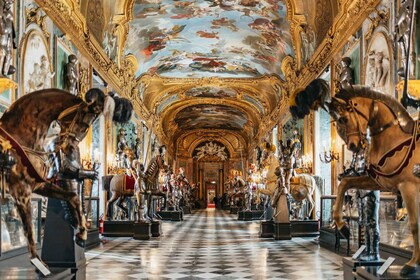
(209, 139)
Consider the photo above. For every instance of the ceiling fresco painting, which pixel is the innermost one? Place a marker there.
(211, 92)
(167, 102)
(254, 102)
(205, 116)
(202, 38)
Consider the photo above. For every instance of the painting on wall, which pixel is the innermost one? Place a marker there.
(378, 70)
(209, 38)
(210, 117)
(36, 63)
(211, 92)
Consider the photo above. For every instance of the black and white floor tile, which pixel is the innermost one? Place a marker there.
(212, 244)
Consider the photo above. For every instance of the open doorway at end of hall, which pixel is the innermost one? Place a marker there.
(211, 194)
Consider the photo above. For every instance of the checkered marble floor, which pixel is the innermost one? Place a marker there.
(212, 244)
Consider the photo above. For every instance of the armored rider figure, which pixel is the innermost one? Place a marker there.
(7, 37)
(67, 168)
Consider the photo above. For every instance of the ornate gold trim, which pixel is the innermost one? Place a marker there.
(33, 15)
(67, 16)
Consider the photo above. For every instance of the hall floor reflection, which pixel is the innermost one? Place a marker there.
(212, 244)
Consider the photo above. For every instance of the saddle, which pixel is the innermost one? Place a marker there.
(129, 183)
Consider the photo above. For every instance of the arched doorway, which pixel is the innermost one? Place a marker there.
(211, 159)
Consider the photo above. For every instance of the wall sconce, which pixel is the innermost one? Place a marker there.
(329, 156)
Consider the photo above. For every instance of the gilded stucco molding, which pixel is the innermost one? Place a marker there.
(67, 16)
(296, 22)
(34, 15)
(156, 87)
(190, 140)
(351, 15)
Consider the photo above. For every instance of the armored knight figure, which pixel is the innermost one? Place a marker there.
(7, 37)
(71, 76)
(66, 165)
(346, 73)
(141, 193)
(368, 208)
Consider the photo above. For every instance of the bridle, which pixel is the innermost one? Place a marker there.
(357, 114)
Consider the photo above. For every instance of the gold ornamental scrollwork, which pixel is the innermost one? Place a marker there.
(33, 15)
(67, 16)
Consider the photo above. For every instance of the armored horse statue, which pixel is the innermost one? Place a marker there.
(237, 191)
(25, 136)
(390, 163)
(149, 186)
(121, 185)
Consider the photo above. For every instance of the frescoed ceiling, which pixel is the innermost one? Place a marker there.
(210, 66)
(201, 38)
(211, 116)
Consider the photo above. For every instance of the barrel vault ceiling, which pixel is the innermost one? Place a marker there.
(210, 69)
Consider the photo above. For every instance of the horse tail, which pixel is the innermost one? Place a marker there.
(106, 182)
(319, 183)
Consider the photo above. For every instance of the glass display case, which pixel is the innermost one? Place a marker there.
(394, 227)
(13, 240)
(329, 235)
(92, 212)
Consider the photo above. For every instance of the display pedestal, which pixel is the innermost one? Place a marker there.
(267, 229)
(142, 231)
(350, 266)
(282, 231)
(170, 215)
(250, 215)
(118, 228)
(186, 209)
(401, 255)
(156, 228)
(93, 239)
(308, 228)
(15, 273)
(393, 272)
(234, 210)
(59, 248)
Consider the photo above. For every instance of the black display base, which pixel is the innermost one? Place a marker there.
(186, 209)
(350, 266)
(15, 273)
(170, 215)
(308, 228)
(267, 229)
(93, 239)
(250, 215)
(142, 231)
(234, 210)
(331, 239)
(393, 272)
(401, 256)
(59, 248)
(156, 229)
(282, 231)
(118, 228)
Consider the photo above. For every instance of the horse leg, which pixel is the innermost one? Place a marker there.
(363, 183)
(311, 204)
(109, 204)
(409, 193)
(21, 194)
(53, 191)
(338, 208)
(121, 205)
